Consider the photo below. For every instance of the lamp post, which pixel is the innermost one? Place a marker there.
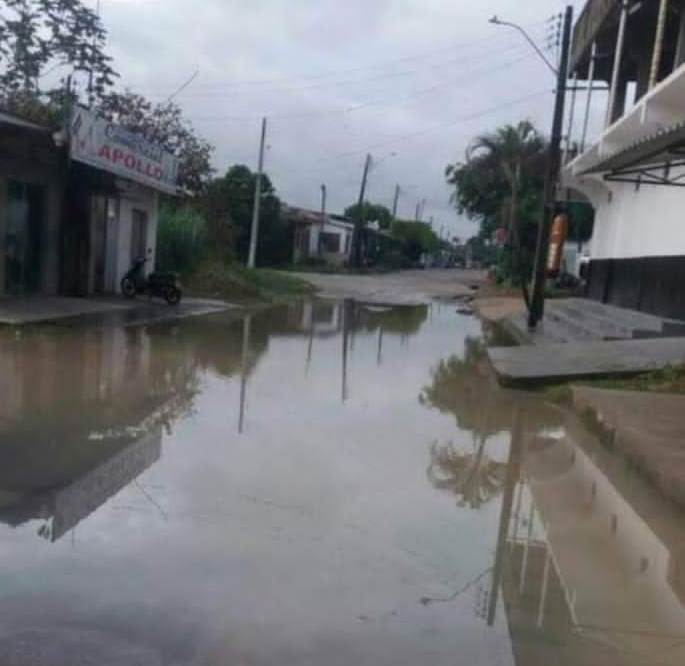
(553, 165)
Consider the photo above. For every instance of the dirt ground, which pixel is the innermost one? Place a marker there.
(402, 288)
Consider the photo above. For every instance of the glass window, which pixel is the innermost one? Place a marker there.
(330, 242)
(23, 237)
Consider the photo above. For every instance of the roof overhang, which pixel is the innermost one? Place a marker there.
(16, 121)
(597, 16)
(651, 134)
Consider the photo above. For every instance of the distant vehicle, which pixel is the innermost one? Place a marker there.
(162, 285)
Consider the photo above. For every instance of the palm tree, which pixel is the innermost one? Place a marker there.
(514, 150)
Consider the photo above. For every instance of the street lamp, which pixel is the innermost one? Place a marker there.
(537, 301)
(495, 20)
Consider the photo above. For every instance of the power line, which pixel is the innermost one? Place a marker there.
(379, 65)
(376, 102)
(471, 116)
(514, 47)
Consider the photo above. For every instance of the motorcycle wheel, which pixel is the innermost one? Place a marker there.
(173, 296)
(128, 288)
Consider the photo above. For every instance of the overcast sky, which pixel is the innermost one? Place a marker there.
(411, 81)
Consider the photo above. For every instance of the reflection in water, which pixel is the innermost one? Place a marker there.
(588, 562)
(77, 427)
(463, 387)
(316, 536)
(472, 476)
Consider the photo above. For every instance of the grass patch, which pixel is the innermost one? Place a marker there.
(233, 282)
(670, 379)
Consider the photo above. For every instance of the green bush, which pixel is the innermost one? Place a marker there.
(181, 240)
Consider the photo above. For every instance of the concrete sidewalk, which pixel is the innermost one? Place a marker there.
(646, 428)
(45, 309)
(530, 364)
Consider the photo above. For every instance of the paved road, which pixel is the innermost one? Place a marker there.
(402, 288)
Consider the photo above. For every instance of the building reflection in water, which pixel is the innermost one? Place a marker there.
(589, 564)
(82, 416)
(83, 410)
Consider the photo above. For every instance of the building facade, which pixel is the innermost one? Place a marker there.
(322, 236)
(634, 173)
(72, 220)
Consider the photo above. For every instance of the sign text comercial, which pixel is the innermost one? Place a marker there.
(107, 146)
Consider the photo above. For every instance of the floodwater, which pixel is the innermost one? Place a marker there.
(319, 483)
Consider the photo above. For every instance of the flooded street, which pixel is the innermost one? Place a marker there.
(319, 483)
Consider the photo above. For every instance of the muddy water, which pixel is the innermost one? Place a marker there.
(315, 484)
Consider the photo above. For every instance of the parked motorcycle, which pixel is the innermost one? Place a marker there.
(163, 285)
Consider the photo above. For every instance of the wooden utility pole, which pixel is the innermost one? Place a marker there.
(359, 222)
(537, 305)
(395, 201)
(254, 231)
(323, 217)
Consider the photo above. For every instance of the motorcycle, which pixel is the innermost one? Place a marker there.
(163, 285)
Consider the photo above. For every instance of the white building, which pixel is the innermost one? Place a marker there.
(634, 173)
(317, 235)
(76, 209)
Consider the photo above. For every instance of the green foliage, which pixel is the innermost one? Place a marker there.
(417, 238)
(370, 212)
(233, 282)
(227, 205)
(500, 184)
(181, 239)
(39, 34)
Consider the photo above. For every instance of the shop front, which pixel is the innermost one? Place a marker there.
(73, 218)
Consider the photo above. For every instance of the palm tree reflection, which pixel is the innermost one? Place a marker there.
(472, 476)
(463, 387)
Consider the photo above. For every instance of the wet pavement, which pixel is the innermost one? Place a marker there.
(317, 483)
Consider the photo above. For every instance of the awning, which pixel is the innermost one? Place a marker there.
(648, 160)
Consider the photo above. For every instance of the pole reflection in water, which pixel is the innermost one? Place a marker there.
(379, 355)
(347, 315)
(244, 370)
(513, 473)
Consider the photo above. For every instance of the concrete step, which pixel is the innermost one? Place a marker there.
(632, 320)
(577, 328)
(538, 363)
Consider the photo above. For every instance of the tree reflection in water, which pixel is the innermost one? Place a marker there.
(473, 476)
(463, 387)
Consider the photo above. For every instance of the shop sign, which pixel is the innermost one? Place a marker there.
(104, 145)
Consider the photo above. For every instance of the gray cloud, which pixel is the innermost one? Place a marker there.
(418, 78)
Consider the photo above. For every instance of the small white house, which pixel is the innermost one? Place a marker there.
(317, 235)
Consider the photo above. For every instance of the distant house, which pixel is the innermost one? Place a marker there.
(328, 237)
(633, 174)
(77, 206)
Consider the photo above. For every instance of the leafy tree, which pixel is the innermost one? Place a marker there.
(37, 36)
(163, 124)
(417, 238)
(500, 184)
(227, 204)
(370, 212)
(181, 238)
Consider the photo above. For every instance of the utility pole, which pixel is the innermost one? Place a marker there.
(254, 231)
(395, 201)
(323, 216)
(359, 222)
(537, 305)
